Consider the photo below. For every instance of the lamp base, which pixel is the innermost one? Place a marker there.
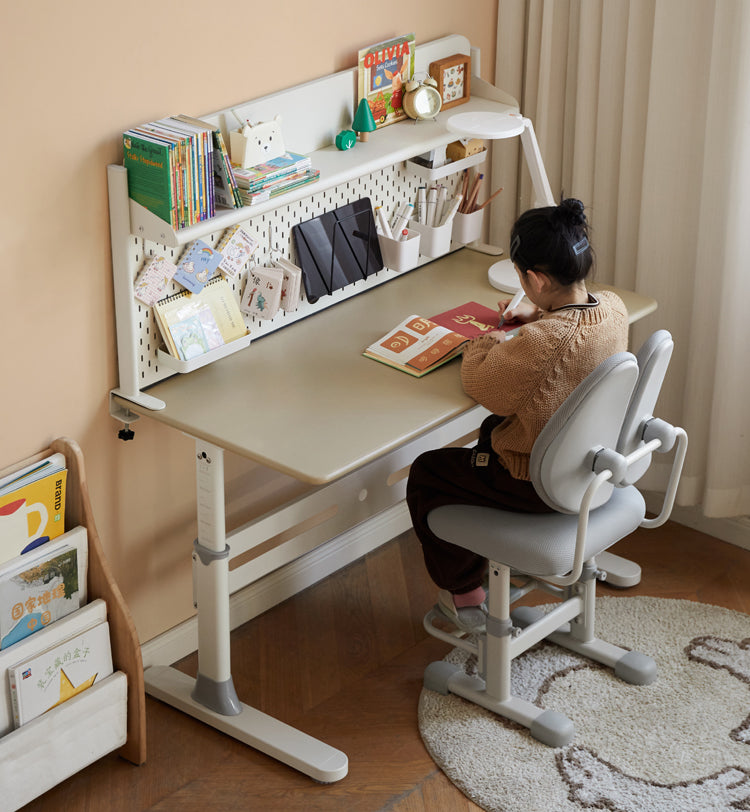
(503, 276)
(484, 248)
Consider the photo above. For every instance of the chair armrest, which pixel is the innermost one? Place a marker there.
(674, 479)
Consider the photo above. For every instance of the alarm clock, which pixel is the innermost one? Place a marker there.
(421, 100)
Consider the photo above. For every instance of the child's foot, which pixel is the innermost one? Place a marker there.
(467, 618)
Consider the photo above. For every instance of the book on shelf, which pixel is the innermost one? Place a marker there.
(42, 586)
(71, 625)
(152, 166)
(254, 178)
(287, 185)
(197, 265)
(417, 346)
(64, 670)
(192, 324)
(32, 506)
(473, 319)
(225, 184)
(262, 295)
(382, 71)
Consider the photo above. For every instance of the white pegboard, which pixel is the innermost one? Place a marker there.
(388, 187)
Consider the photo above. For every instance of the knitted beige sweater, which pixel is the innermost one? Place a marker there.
(526, 378)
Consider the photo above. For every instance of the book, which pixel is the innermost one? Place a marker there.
(417, 346)
(72, 624)
(382, 71)
(291, 286)
(254, 177)
(150, 162)
(201, 160)
(32, 507)
(196, 266)
(293, 182)
(262, 296)
(473, 319)
(220, 299)
(236, 247)
(42, 586)
(64, 670)
(151, 282)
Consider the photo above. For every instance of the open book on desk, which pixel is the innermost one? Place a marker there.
(418, 345)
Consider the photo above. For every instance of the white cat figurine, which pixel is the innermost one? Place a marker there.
(257, 143)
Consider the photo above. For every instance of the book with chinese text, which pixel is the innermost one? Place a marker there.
(417, 346)
(473, 319)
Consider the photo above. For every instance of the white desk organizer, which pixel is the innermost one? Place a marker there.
(312, 114)
(467, 227)
(436, 240)
(400, 255)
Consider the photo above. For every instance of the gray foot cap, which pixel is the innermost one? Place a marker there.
(636, 668)
(437, 676)
(552, 728)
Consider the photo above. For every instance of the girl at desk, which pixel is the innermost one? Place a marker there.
(566, 332)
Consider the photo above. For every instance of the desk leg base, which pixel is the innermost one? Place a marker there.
(620, 571)
(250, 726)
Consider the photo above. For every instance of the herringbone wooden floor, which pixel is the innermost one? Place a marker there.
(343, 661)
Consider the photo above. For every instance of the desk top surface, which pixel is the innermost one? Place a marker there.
(304, 401)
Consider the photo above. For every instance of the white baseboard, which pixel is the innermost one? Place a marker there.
(284, 582)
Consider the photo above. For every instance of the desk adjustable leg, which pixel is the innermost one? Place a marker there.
(211, 697)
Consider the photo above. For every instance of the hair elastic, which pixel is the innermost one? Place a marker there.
(514, 246)
(580, 246)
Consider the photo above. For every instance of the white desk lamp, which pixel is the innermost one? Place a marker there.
(492, 126)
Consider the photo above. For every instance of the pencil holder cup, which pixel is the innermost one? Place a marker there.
(436, 240)
(467, 227)
(400, 255)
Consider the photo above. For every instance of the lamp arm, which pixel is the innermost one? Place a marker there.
(534, 161)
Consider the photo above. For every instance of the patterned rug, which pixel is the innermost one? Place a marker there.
(681, 744)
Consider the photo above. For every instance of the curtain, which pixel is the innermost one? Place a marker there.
(642, 110)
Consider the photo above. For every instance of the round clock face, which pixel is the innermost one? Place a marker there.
(423, 102)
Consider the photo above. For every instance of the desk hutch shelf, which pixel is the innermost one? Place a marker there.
(111, 715)
(312, 114)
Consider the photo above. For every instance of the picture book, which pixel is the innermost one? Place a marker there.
(236, 247)
(255, 177)
(220, 300)
(196, 334)
(72, 624)
(473, 319)
(196, 266)
(225, 184)
(151, 282)
(42, 586)
(383, 70)
(32, 507)
(63, 671)
(417, 346)
(262, 296)
(291, 286)
(289, 184)
(151, 173)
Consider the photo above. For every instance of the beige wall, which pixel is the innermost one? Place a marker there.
(74, 76)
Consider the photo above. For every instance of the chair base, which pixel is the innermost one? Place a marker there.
(547, 726)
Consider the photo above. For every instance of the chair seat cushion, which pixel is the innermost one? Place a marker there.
(537, 544)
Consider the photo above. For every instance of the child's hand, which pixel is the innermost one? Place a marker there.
(521, 314)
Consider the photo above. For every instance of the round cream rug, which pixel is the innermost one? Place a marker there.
(681, 744)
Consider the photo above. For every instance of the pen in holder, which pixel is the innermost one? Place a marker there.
(400, 254)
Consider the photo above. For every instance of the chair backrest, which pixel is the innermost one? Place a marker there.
(589, 419)
(653, 360)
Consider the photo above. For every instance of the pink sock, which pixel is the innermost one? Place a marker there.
(473, 598)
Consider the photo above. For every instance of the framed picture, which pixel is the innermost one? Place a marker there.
(453, 77)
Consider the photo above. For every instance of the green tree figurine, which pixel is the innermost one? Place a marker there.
(363, 122)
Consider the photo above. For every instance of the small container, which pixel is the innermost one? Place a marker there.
(467, 227)
(436, 240)
(400, 255)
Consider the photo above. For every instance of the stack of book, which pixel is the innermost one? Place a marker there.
(179, 169)
(260, 183)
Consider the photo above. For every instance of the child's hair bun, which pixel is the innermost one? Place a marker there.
(571, 212)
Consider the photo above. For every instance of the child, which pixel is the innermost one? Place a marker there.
(566, 333)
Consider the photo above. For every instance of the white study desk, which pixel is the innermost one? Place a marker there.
(326, 414)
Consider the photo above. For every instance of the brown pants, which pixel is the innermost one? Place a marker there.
(457, 476)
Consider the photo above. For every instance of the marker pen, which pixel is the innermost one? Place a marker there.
(383, 223)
